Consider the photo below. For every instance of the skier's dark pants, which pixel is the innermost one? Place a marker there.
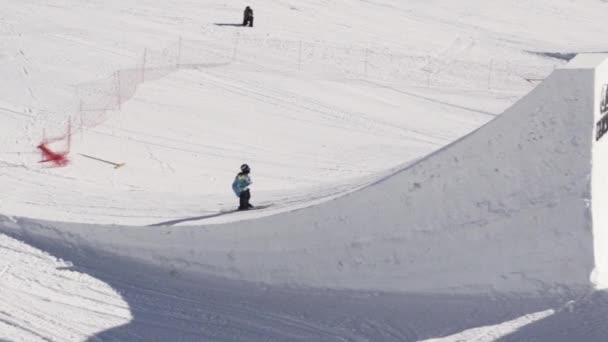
(248, 21)
(244, 200)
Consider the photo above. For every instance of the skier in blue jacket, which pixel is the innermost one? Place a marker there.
(240, 186)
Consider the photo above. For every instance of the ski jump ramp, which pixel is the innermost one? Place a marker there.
(518, 206)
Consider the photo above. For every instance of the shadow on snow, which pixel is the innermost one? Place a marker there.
(198, 218)
(229, 24)
(169, 306)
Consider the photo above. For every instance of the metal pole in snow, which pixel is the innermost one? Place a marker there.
(490, 73)
(179, 52)
(118, 90)
(143, 67)
(116, 165)
(300, 57)
(428, 78)
(365, 65)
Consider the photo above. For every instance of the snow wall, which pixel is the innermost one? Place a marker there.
(599, 193)
(511, 208)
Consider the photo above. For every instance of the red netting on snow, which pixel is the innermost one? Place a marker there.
(55, 151)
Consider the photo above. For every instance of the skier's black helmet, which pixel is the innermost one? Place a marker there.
(245, 168)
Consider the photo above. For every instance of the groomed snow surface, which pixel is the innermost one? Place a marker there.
(424, 182)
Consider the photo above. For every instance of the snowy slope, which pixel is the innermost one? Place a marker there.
(322, 98)
(308, 97)
(517, 191)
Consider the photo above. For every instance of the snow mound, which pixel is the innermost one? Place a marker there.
(512, 208)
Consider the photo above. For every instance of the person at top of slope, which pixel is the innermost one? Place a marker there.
(240, 186)
(248, 17)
